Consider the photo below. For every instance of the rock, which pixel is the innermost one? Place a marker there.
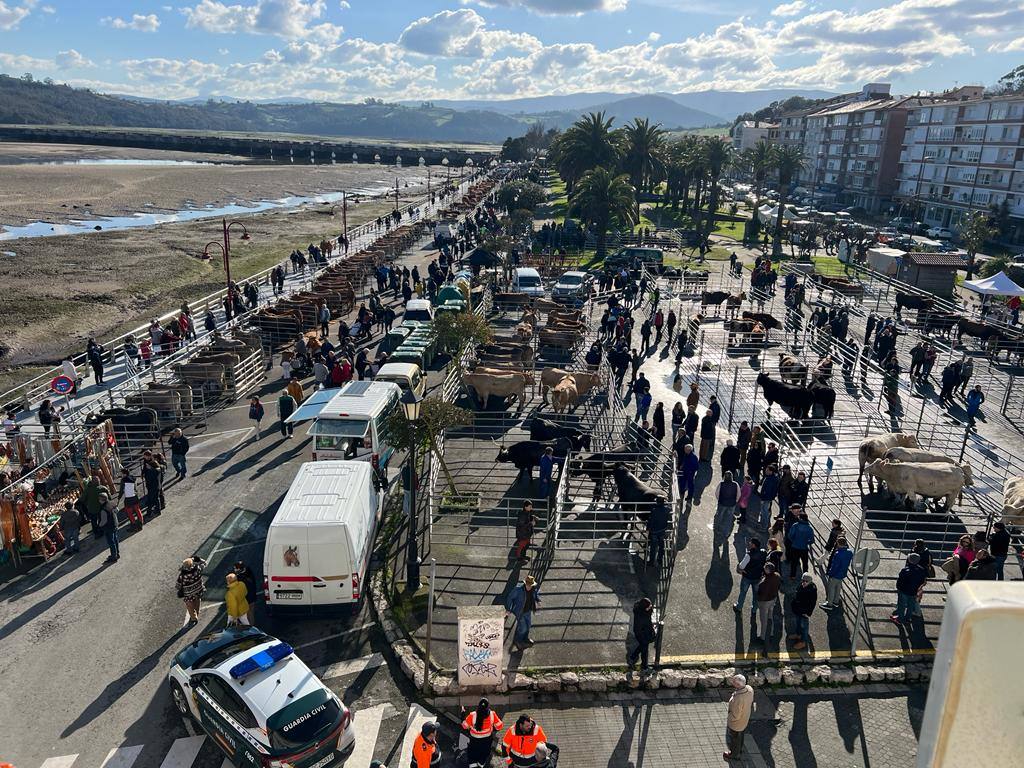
(820, 673)
(712, 679)
(519, 682)
(440, 685)
(549, 683)
(841, 675)
(652, 681)
(690, 678)
(911, 671)
(876, 674)
(671, 678)
(755, 679)
(895, 674)
(772, 676)
(861, 673)
(926, 672)
(593, 681)
(569, 680)
(633, 681)
(792, 676)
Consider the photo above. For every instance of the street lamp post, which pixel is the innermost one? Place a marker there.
(411, 403)
(225, 248)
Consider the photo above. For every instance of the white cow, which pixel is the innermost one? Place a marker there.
(1013, 501)
(921, 456)
(875, 446)
(933, 481)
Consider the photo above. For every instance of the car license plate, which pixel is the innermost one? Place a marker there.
(325, 761)
(288, 595)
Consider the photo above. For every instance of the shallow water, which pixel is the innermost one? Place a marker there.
(136, 220)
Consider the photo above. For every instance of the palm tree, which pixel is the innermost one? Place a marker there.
(589, 143)
(760, 159)
(717, 152)
(789, 162)
(644, 146)
(600, 199)
(678, 155)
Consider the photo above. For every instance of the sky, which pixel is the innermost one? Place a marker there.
(349, 50)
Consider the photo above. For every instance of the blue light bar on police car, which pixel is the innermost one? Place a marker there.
(263, 660)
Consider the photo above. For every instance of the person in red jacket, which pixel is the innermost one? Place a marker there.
(481, 726)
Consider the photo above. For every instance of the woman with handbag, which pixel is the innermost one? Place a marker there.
(191, 587)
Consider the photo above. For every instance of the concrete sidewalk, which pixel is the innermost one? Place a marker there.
(839, 728)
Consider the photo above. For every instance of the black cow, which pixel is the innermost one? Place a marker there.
(525, 454)
(597, 466)
(635, 496)
(824, 396)
(715, 298)
(768, 321)
(798, 399)
(542, 429)
(983, 331)
(912, 301)
(935, 319)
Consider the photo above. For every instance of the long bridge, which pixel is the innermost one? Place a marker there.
(271, 147)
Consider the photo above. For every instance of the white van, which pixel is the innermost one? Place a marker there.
(319, 543)
(418, 309)
(527, 280)
(351, 422)
(405, 375)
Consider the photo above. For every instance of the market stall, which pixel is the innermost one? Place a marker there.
(33, 495)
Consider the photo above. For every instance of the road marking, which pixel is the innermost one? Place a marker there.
(337, 634)
(349, 667)
(367, 726)
(795, 656)
(64, 761)
(121, 757)
(183, 752)
(414, 722)
(209, 439)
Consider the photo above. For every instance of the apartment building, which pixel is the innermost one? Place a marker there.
(964, 155)
(747, 133)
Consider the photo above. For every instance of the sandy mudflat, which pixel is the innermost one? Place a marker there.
(27, 152)
(58, 291)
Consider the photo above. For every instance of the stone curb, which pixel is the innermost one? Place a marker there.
(762, 674)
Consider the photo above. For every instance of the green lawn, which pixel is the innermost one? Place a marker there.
(666, 217)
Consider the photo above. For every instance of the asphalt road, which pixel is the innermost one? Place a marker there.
(86, 646)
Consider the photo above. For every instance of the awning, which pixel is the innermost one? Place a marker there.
(997, 285)
(312, 405)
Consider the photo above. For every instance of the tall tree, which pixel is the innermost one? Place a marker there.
(717, 153)
(588, 143)
(601, 199)
(789, 162)
(643, 156)
(759, 160)
(976, 231)
(677, 168)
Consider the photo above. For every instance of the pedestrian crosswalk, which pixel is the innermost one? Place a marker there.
(200, 751)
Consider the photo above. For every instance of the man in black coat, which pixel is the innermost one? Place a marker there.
(805, 599)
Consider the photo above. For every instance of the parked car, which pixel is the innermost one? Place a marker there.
(855, 210)
(939, 233)
(572, 287)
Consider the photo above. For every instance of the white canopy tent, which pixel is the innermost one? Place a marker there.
(997, 285)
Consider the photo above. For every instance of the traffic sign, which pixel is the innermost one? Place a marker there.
(62, 385)
(865, 561)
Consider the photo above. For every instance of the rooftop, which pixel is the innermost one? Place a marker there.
(936, 259)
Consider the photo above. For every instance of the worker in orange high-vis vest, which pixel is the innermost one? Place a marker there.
(425, 752)
(481, 726)
(521, 741)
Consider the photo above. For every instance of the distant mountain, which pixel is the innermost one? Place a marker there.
(724, 105)
(658, 109)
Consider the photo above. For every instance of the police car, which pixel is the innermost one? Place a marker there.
(259, 702)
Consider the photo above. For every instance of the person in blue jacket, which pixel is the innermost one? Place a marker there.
(686, 471)
(800, 538)
(838, 568)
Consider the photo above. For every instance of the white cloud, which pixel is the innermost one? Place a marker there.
(288, 19)
(1008, 46)
(789, 9)
(12, 15)
(71, 59)
(654, 37)
(16, 62)
(461, 33)
(47, 9)
(557, 7)
(344, 5)
(140, 23)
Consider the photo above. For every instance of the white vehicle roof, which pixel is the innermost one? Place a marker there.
(356, 399)
(527, 272)
(573, 273)
(417, 304)
(402, 370)
(269, 691)
(321, 492)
